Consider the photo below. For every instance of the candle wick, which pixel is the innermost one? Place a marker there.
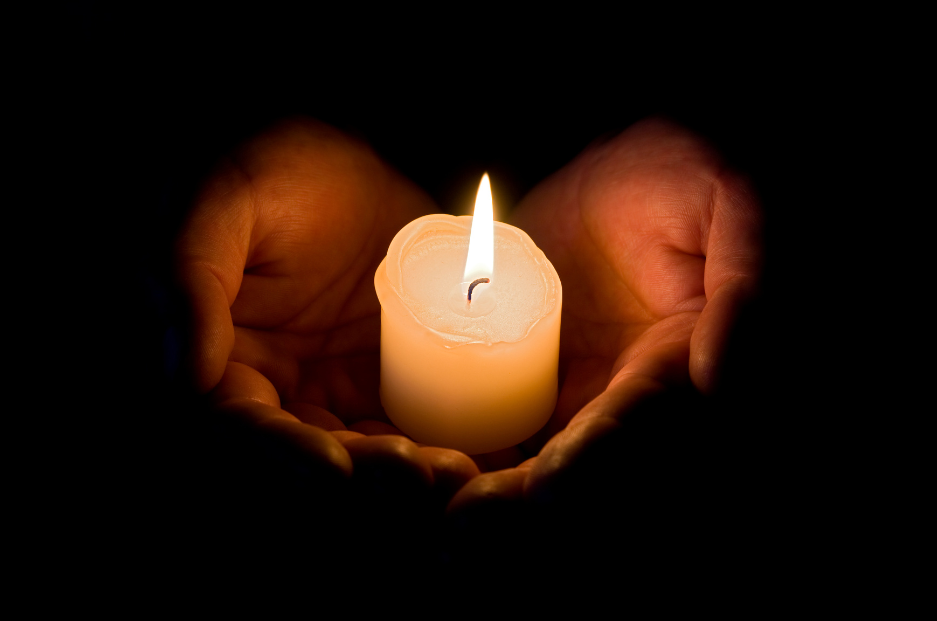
(472, 286)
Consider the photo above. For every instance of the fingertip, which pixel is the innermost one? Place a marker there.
(389, 461)
(318, 451)
(451, 469)
(203, 369)
(705, 352)
(211, 330)
(243, 382)
(712, 336)
(485, 490)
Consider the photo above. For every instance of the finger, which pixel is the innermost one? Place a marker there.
(650, 348)
(710, 341)
(451, 470)
(545, 480)
(654, 371)
(651, 373)
(491, 524)
(314, 415)
(344, 436)
(492, 488)
(734, 264)
(242, 382)
(389, 464)
(209, 260)
(210, 330)
(595, 422)
(308, 449)
(247, 398)
(734, 242)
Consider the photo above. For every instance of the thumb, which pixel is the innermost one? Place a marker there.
(210, 256)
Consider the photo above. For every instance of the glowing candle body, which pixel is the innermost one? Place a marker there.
(476, 376)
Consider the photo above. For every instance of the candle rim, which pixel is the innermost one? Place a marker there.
(413, 231)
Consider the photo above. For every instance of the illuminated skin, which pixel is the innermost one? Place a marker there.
(656, 243)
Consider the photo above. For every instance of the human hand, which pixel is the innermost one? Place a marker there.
(277, 262)
(658, 246)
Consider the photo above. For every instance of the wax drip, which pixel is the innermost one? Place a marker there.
(472, 286)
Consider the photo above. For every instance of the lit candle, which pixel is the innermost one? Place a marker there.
(470, 331)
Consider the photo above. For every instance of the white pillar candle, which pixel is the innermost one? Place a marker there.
(477, 375)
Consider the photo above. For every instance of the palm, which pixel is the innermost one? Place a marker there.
(626, 225)
(319, 345)
(308, 215)
(306, 315)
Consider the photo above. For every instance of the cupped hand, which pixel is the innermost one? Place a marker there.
(277, 262)
(658, 245)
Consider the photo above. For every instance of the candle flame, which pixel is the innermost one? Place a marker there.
(481, 252)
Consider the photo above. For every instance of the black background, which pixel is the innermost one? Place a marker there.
(152, 98)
